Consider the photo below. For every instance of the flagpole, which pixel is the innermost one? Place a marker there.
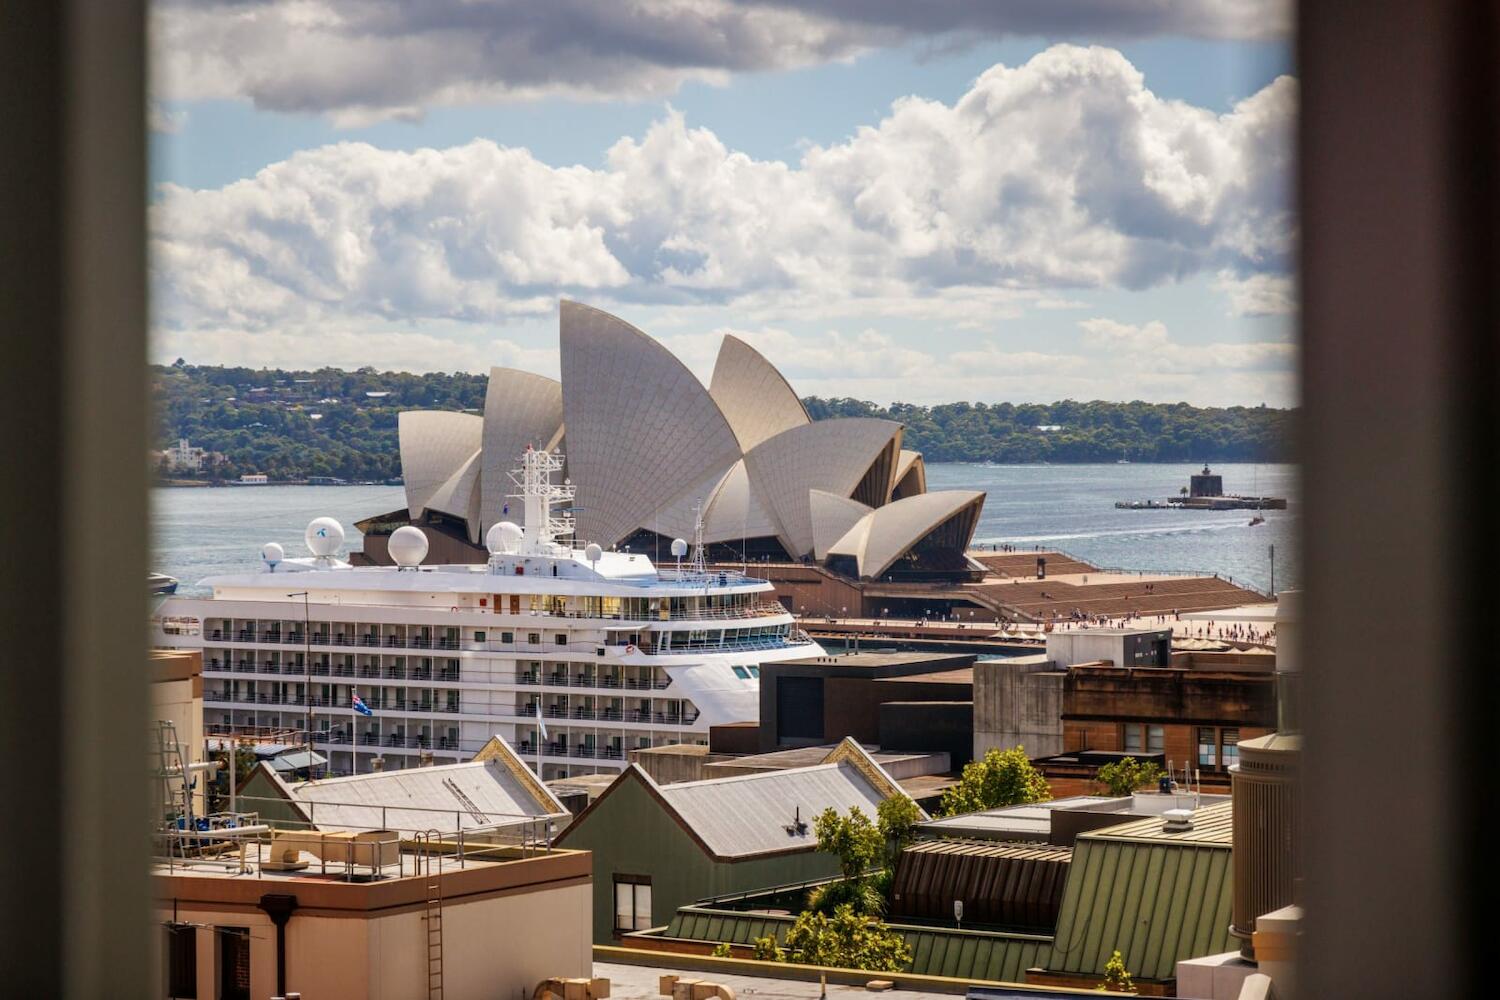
(541, 734)
(353, 731)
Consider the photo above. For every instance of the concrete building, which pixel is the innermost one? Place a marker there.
(245, 926)
(897, 701)
(184, 457)
(658, 847)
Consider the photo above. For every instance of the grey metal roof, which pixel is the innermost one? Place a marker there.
(455, 796)
(296, 761)
(749, 814)
(1033, 821)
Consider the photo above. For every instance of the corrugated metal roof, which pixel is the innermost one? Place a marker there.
(296, 761)
(455, 796)
(1213, 825)
(1013, 885)
(1157, 899)
(749, 814)
(936, 951)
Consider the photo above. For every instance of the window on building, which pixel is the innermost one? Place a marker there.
(742, 673)
(234, 963)
(507, 637)
(478, 636)
(182, 962)
(534, 638)
(1208, 748)
(1132, 738)
(562, 639)
(632, 903)
(1231, 743)
(755, 672)
(1156, 739)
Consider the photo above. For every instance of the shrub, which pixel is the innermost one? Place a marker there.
(847, 940)
(1001, 778)
(1126, 775)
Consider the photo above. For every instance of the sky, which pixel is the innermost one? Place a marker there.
(1023, 202)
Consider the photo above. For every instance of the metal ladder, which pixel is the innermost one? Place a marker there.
(427, 845)
(175, 796)
(469, 805)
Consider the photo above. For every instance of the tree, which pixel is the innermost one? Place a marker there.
(1116, 976)
(1001, 778)
(764, 949)
(897, 818)
(1126, 775)
(847, 940)
(858, 843)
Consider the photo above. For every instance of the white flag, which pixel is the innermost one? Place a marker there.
(539, 723)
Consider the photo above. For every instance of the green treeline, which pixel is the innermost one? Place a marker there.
(1070, 431)
(297, 424)
(294, 424)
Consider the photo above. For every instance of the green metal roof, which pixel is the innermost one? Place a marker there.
(1156, 899)
(936, 951)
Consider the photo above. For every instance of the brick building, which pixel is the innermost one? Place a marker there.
(1123, 691)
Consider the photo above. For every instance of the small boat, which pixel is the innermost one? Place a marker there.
(162, 584)
(1257, 519)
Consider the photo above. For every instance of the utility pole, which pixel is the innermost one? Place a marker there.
(1272, 549)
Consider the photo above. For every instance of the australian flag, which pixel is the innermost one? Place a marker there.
(359, 706)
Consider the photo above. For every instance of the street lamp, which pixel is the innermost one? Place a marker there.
(306, 683)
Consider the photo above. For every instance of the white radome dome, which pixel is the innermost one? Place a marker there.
(592, 552)
(324, 536)
(272, 553)
(679, 547)
(503, 538)
(407, 546)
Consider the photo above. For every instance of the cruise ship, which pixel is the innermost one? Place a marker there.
(574, 655)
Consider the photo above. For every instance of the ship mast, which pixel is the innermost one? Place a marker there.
(540, 495)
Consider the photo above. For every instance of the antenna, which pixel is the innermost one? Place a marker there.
(698, 560)
(540, 495)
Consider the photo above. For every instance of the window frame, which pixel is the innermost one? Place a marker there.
(637, 883)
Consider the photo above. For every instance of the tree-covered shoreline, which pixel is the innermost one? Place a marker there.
(292, 425)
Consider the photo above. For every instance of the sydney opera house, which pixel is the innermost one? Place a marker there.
(650, 450)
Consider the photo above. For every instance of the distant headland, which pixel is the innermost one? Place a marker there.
(335, 424)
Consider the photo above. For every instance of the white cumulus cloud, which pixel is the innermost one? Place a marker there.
(1063, 173)
(364, 60)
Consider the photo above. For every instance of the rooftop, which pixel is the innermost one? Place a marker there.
(767, 812)
(495, 789)
(1213, 826)
(1025, 822)
(756, 813)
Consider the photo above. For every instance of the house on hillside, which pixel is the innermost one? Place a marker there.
(658, 847)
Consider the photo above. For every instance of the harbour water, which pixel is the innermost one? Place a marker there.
(200, 532)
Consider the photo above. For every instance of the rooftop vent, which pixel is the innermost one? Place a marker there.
(796, 828)
(1177, 820)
